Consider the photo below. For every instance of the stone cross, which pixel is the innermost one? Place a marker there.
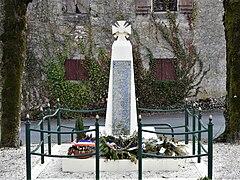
(121, 115)
(121, 30)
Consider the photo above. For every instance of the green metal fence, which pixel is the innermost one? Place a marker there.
(195, 131)
(47, 133)
(190, 114)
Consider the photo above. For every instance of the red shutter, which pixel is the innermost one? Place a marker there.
(70, 69)
(165, 69)
(83, 6)
(186, 6)
(143, 6)
(74, 70)
(82, 73)
(69, 6)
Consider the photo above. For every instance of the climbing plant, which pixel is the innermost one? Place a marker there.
(187, 64)
(152, 93)
(78, 94)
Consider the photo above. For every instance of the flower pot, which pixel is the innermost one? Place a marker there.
(82, 147)
(83, 152)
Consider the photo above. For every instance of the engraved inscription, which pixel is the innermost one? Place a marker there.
(121, 97)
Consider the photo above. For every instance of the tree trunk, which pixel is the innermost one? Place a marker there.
(232, 33)
(14, 51)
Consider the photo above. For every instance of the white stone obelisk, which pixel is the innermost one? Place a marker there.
(121, 115)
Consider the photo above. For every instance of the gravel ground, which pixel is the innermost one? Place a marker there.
(226, 166)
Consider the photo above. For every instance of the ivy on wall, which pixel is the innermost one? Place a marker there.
(93, 93)
(151, 93)
(81, 94)
(188, 66)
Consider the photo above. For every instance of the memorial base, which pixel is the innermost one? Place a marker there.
(124, 165)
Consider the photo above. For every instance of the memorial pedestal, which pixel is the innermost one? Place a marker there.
(124, 165)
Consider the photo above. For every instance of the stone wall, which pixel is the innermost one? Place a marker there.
(209, 37)
(48, 29)
(48, 20)
(210, 40)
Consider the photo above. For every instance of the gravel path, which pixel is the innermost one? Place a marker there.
(226, 166)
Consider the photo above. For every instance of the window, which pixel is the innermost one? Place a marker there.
(165, 69)
(147, 6)
(74, 70)
(76, 6)
(162, 5)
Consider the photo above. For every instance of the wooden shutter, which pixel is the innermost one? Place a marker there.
(74, 70)
(143, 6)
(70, 69)
(83, 6)
(186, 6)
(165, 69)
(82, 73)
(69, 6)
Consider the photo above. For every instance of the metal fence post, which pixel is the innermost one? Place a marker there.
(137, 106)
(28, 149)
(199, 134)
(42, 135)
(49, 129)
(97, 148)
(210, 147)
(193, 129)
(58, 122)
(72, 135)
(186, 121)
(139, 147)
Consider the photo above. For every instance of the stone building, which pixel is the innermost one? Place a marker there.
(91, 21)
